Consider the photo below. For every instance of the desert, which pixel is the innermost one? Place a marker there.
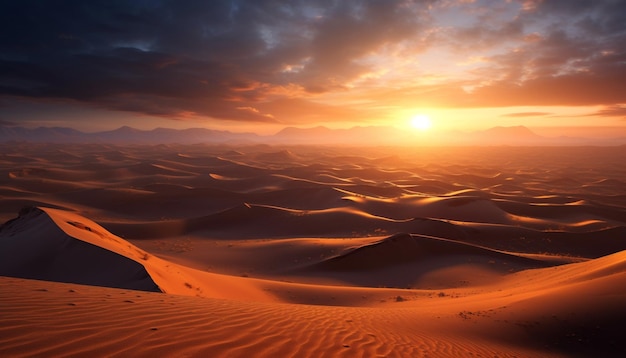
(218, 250)
(331, 178)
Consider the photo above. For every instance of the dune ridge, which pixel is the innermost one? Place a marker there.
(33, 246)
(54, 245)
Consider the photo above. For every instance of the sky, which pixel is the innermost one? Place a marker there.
(556, 66)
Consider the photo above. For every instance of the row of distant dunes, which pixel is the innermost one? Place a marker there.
(477, 195)
(484, 247)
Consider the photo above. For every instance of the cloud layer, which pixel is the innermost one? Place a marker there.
(289, 61)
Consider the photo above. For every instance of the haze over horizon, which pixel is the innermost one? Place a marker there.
(556, 67)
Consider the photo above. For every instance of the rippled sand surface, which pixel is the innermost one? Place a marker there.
(312, 251)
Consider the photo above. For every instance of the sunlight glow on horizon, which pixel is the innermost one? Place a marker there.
(421, 122)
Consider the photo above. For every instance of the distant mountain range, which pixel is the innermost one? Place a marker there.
(125, 135)
(374, 135)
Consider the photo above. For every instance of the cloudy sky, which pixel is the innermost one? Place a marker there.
(263, 65)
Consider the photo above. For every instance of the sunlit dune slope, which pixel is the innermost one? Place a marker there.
(34, 246)
(55, 245)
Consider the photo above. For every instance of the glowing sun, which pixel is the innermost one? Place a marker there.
(421, 122)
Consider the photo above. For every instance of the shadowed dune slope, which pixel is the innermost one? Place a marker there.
(33, 246)
(418, 261)
(405, 248)
(56, 245)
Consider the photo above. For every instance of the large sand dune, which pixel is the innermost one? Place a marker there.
(311, 251)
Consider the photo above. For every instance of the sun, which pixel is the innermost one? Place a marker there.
(421, 122)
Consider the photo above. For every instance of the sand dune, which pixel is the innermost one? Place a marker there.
(307, 251)
(106, 320)
(49, 244)
(418, 262)
(531, 314)
(34, 246)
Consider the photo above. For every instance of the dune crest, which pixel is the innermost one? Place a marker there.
(51, 244)
(34, 246)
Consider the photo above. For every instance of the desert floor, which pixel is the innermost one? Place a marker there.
(201, 250)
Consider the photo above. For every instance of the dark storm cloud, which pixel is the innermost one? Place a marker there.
(152, 57)
(173, 58)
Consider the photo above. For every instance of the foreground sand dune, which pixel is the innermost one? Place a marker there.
(55, 245)
(529, 315)
(262, 251)
(34, 245)
(55, 319)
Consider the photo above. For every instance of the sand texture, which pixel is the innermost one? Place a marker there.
(199, 250)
